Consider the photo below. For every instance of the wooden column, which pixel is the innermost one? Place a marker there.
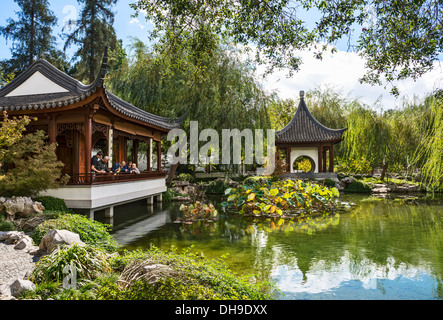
(88, 142)
(135, 151)
(288, 159)
(52, 130)
(159, 156)
(76, 151)
(331, 158)
(320, 158)
(149, 156)
(324, 159)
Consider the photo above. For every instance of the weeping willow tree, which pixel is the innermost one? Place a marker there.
(214, 87)
(429, 155)
(367, 138)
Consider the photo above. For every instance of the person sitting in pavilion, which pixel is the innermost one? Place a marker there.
(119, 167)
(134, 169)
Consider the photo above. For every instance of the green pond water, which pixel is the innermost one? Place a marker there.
(377, 250)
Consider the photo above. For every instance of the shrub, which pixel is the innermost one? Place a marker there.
(53, 204)
(6, 225)
(191, 277)
(358, 187)
(329, 183)
(281, 198)
(185, 177)
(32, 166)
(216, 187)
(169, 195)
(91, 232)
(88, 262)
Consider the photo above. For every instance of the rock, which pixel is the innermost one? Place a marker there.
(31, 207)
(4, 235)
(24, 243)
(14, 236)
(56, 238)
(20, 206)
(19, 286)
(14, 206)
(347, 180)
(179, 183)
(178, 190)
(178, 198)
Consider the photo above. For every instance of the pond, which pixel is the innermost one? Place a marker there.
(377, 250)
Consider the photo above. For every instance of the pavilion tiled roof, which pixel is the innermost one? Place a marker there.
(75, 91)
(304, 128)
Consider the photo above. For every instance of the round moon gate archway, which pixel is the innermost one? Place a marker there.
(304, 163)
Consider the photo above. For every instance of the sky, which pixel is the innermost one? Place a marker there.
(340, 70)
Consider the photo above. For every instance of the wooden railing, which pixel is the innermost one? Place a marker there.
(104, 178)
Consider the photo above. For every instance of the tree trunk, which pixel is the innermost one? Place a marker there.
(32, 37)
(171, 173)
(383, 172)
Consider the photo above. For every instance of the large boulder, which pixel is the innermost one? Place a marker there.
(55, 238)
(19, 207)
(14, 206)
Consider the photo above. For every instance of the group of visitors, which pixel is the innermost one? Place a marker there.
(99, 164)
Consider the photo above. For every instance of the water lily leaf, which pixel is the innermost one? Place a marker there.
(232, 197)
(273, 192)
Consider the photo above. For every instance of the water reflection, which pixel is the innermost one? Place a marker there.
(377, 250)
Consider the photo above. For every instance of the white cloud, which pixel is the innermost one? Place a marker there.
(137, 22)
(342, 71)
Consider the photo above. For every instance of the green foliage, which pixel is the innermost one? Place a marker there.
(11, 131)
(32, 166)
(6, 225)
(93, 32)
(185, 177)
(430, 152)
(30, 34)
(192, 278)
(350, 165)
(329, 183)
(88, 262)
(53, 204)
(281, 198)
(358, 187)
(28, 163)
(404, 42)
(216, 187)
(303, 164)
(93, 233)
(213, 86)
(169, 194)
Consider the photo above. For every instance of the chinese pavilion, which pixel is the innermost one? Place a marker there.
(305, 137)
(83, 119)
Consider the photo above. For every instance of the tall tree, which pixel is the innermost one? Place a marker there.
(93, 32)
(30, 34)
(399, 39)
